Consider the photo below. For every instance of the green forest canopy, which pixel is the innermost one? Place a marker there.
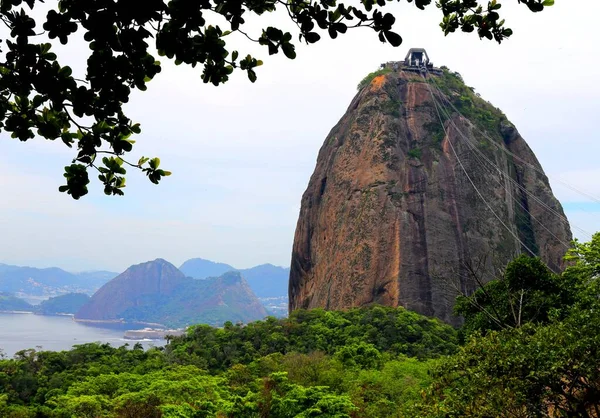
(315, 363)
(371, 362)
(40, 96)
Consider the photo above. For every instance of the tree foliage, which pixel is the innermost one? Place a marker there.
(361, 332)
(315, 364)
(41, 96)
(548, 367)
(369, 77)
(528, 292)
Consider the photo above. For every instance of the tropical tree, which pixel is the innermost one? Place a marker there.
(40, 96)
(528, 292)
(547, 367)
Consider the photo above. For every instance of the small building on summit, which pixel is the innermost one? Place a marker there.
(416, 57)
(416, 61)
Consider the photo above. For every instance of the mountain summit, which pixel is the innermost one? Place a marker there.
(420, 184)
(157, 292)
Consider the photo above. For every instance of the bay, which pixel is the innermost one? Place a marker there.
(19, 331)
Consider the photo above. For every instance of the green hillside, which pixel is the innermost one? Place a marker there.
(65, 304)
(11, 303)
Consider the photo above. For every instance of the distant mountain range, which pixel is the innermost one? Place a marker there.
(199, 268)
(157, 292)
(266, 280)
(50, 281)
(201, 291)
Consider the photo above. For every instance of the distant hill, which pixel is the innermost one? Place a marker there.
(96, 279)
(64, 304)
(34, 281)
(9, 302)
(49, 281)
(157, 292)
(199, 268)
(265, 280)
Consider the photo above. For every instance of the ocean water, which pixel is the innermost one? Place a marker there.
(21, 331)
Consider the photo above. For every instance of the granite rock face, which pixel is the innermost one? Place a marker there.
(402, 211)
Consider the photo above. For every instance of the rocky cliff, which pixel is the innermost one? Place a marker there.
(412, 197)
(157, 292)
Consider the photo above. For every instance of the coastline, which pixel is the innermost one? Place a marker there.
(153, 334)
(36, 313)
(117, 321)
(58, 333)
(18, 312)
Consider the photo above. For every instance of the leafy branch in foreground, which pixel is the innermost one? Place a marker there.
(40, 96)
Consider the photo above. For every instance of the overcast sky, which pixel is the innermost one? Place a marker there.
(242, 153)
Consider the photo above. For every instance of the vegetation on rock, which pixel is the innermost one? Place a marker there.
(369, 77)
(462, 97)
(415, 153)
